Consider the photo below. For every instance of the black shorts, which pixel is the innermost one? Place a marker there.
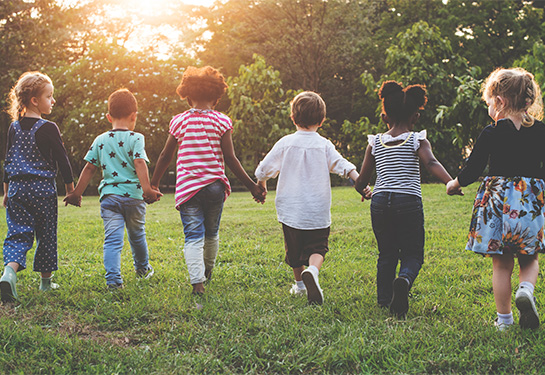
(301, 244)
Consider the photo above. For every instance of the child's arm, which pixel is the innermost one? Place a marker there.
(234, 165)
(74, 198)
(164, 161)
(433, 166)
(150, 195)
(362, 182)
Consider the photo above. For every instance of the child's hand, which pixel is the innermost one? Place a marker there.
(152, 195)
(73, 199)
(367, 193)
(454, 188)
(259, 191)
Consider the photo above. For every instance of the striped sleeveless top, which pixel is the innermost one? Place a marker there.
(398, 166)
(200, 157)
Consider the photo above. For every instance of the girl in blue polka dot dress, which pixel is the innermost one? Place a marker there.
(34, 150)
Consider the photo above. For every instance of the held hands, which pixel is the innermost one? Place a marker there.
(73, 199)
(454, 188)
(152, 195)
(367, 193)
(259, 191)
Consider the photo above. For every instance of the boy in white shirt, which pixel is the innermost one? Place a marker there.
(303, 161)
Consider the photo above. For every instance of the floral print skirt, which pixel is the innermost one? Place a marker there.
(508, 217)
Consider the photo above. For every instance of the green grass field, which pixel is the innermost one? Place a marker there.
(248, 323)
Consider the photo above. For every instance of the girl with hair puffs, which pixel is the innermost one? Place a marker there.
(396, 204)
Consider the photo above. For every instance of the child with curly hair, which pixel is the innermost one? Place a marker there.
(202, 137)
(508, 213)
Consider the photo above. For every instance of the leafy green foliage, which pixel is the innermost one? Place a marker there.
(259, 109)
(83, 89)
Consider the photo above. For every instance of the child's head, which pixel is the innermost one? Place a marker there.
(308, 109)
(401, 104)
(122, 104)
(30, 85)
(513, 91)
(202, 85)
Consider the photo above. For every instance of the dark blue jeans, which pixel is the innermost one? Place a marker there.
(398, 223)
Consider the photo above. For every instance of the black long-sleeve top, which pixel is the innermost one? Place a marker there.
(508, 151)
(49, 142)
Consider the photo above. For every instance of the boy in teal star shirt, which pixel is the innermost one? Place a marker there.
(124, 190)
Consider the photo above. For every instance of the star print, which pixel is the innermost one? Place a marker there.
(127, 195)
(93, 161)
(137, 155)
(101, 146)
(103, 166)
(114, 173)
(111, 135)
(112, 154)
(131, 134)
(120, 144)
(91, 148)
(128, 181)
(138, 186)
(115, 184)
(130, 153)
(123, 164)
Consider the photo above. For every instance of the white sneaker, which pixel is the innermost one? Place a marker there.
(525, 301)
(296, 291)
(501, 327)
(314, 292)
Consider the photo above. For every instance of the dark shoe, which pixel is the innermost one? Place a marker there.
(7, 285)
(145, 273)
(400, 300)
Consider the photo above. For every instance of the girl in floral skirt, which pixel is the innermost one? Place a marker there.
(508, 213)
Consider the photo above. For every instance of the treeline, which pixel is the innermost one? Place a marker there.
(269, 50)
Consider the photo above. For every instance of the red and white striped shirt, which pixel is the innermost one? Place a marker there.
(200, 158)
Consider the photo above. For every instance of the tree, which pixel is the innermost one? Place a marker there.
(82, 90)
(259, 109)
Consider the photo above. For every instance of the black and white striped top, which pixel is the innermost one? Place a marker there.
(398, 167)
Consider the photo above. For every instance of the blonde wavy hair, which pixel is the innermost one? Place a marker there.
(519, 89)
(29, 85)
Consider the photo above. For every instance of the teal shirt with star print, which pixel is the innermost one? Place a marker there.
(113, 153)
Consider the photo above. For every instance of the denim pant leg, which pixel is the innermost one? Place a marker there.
(398, 223)
(45, 213)
(388, 255)
(135, 220)
(201, 216)
(114, 231)
(410, 231)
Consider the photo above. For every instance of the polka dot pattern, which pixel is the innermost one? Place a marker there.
(31, 210)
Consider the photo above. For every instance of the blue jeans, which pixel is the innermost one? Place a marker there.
(398, 223)
(117, 212)
(201, 217)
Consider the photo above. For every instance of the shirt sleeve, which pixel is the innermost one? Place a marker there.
(371, 142)
(93, 156)
(420, 136)
(49, 136)
(8, 145)
(478, 159)
(337, 164)
(139, 148)
(269, 167)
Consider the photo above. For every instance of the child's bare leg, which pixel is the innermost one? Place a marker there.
(46, 275)
(297, 273)
(198, 288)
(529, 268)
(501, 282)
(13, 265)
(316, 260)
